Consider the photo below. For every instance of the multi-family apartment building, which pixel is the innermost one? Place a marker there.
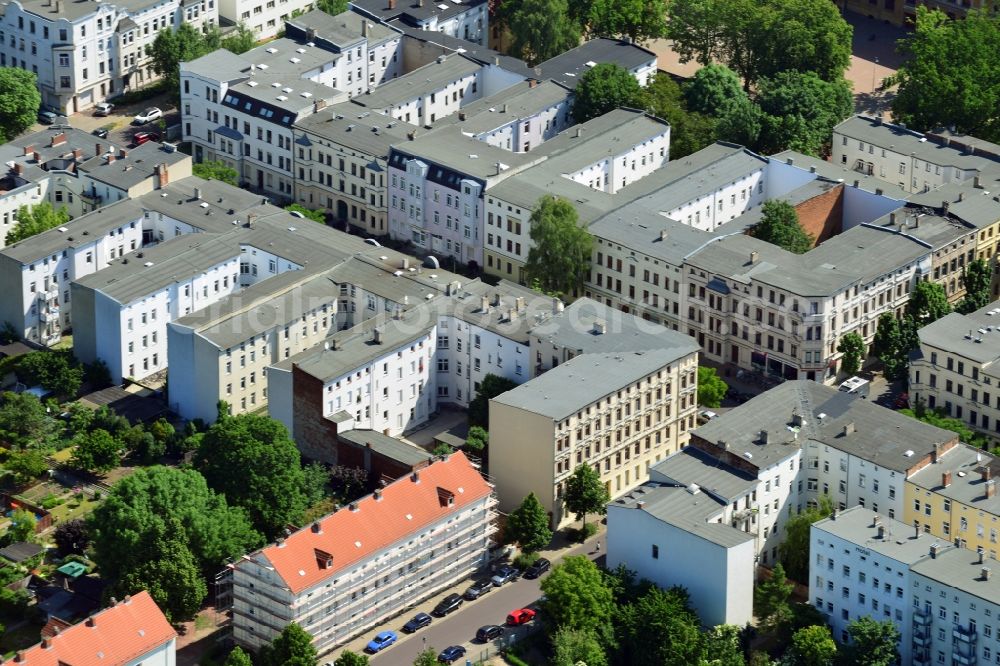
(519, 118)
(618, 412)
(38, 270)
(130, 632)
(84, 53)
(369, 561)
(265, 18)
(467, 20)
(567, 67)
(954, 369)
(860, 566)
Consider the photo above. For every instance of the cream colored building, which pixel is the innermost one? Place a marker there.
(619, 412)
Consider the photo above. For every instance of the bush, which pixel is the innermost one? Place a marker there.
(525, 560)
(141, 95)
(584, 533)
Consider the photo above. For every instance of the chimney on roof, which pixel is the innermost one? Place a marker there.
(420, 3)
(377, 335)
(91, 622)
(310, 33)
(364, 29)
(511, 314)
(197, 193)
(378, 494)
(881, 531)
(46, 643)
(798, 420)
(498, 167)
(984, 573)
(763, 437)
(484, 304)
(979, 552)
(600, 327)
(754, 256)
(392, 4)
(58, 7)
(98, 149)
(77, 153)
(977, 182)
(461, 116)
(892, 219)
(961, 196)
(122, 153)
(640, 504)
(557, 306)
(935, 549)
(496, 299)
(162, 175)
(415, 477)
(353, 507)
(663, 234)
(503, 108)
(944, 207)
(37, 157)
(848, 428)
(316, 528)
(946, 479)
(29, 150)
(319, 105)
(985, 473)
(519, 303)
(57, 139)
(111, 158)
(532, 83)
(578, 133)
(991, 489)
(18, 168)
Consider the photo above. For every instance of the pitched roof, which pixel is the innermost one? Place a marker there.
(349, 536)
(115, 636)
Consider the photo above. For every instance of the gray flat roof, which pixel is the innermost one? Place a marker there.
(448, 147)
(292, 94)
(959, 334)
(975, 206)
(425, 80)
(859, 526)
(839, 173)
(342, 30)
(519, 101)
(219, 65)
(569, 66)
(477, 52)
(691, 512)
(76, 9)
(691, 465)
(881, 436)
(289, 57)
(960, 569)
(966, 484)
(585, 379)
(413, 11)
(350, 126)
(390, 447)
(139, 164)
(638, 227)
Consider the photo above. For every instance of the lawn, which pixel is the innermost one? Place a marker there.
(73, 509)
(13, 640)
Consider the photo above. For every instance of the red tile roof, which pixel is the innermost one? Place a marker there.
(112, 637)
(348, 536)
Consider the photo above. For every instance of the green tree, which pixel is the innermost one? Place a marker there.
(241, 40)
(332, 7)
(477, 439)
(22, 526)
(711, 88)
(758, 39)
(723, 646)
(168, 571)
(927, 303)
(711, 388)
(71, 537)
(949, 74)
(667, 615)
(572, 647)
(741, 121)
(348, 658)
(889, 345)
(55, 371)
(585, 493)
(253, 461)
(172, 47)
(604, 88)
(873, 643)
(293, 647)
(528, 525)
(638, 20)
(24, 423)
(541, 29)
(19, 102)
(794, 550)
(779, 225)
(689, 131)
(770, 599)
(813, 646)
(578, 597)
(216, 170)
(491, 386)
(559, 258)
(96, 451)
(940, 419)
(240, 658)
(26, 465)
(140, 505)
(852, 346)
(427, 657)
(801, 110)
(308, 213)
(33, 220)
(976, 280)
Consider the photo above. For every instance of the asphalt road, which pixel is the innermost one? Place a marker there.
(460, 627)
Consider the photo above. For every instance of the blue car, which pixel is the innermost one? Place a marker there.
(450, 654)
(381, 641)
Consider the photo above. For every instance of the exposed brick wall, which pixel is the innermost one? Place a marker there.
(315, 435)
(822, 216)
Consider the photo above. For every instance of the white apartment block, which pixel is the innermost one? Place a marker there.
(567, 67)
(955, 369)
(860, 565)
(82, 53)
(266, 18)
(521, 117)
(468, 20)
(337, 578)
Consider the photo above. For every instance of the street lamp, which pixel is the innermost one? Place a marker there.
(874, 70)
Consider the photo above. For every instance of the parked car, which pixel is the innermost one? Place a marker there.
(520, 616)
(505, 574)
(451, 653)
(148, 116)
(488, 633)
(447, 605)
(140, 138)
(418, 621)
(478, 589)
(706, 415)
(902, 401)
(540, 566)
(100, 133)
(382, 640)
(104, 109)
(47, 117)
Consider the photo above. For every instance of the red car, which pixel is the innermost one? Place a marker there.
(520, 616)
(140, 138)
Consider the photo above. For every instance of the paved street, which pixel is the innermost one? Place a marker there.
(460, 627)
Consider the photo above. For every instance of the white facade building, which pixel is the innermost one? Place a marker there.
(468, 20)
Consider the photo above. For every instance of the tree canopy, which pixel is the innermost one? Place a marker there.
(572, 647)
(490, 387)
(690, 131)
(24, 423)
(577, 596)
(96, 451)
(71, 537)
(667, 615)
(242, 39)
(253, 461)
(813, 646)
(172, 47)
(528, 525)
(348, 658)
(928, 303)
(26, 465)
(976, 279)
(237, 658)
(637, 20)
(332, 7)
(711, 388)
(308, 213)
(19, 101)
(55, 371)
(585, 493)
(949, 75)
(33, 220)
(22, 525)
(794, 550)
(711, 88)
(559, 258)
(800, 110)
(770, 599)
(852, 348)
(216, 170)
(779, 225)
(873, 643)
(541, 29)
(292, 647)
(894, 339)
(603, 88)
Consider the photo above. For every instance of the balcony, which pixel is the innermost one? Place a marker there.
(964, 635)
(921, 660)
(921, 618)
(49, 315)
(960, 658)
(921, 639)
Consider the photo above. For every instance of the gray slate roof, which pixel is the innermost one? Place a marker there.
(138, 165)
(350, 126)
(569, 66)
(390, 447)
(959, 568)
(858, 525)
(967, 485)
(343, 30)
(691, 465)
(958, 334)
(422, 81)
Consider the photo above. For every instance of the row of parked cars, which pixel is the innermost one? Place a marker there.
(502, 575)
